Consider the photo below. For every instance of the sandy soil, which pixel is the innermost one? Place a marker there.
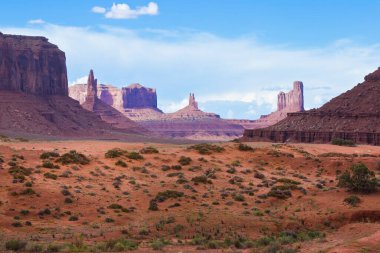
(231, 204)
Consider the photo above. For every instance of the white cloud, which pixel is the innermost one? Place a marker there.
(80, 80)
(124, 11)
(218, 70)
(36, 22)
(97, 9)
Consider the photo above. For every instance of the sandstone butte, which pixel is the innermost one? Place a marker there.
(353, 115)
(34, 97)
(292, 101)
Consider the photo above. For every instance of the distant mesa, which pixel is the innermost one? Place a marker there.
(353, 115)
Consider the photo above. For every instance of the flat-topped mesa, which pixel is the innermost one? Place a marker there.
(137, 96)
(293, 100)
(32, 65)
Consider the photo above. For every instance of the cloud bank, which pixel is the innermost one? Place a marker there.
(124, 11)
(229, 76)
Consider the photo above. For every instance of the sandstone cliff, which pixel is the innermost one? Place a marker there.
(353, 115)
(106, 112)
(32, 65)
(138, 96)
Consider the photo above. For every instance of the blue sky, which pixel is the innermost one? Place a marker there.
(235, 55)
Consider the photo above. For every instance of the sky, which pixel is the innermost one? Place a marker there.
(235, 55)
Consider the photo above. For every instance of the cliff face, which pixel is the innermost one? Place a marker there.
(293, 100)
(353, 115)
(138, 96)
(32, 65)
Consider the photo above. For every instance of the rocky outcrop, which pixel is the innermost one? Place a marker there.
(135, 101)
(292, 101)
(32, 65)
(106, 112)
(138, 96)
(353, 115)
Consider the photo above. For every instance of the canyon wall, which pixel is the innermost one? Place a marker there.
(138, 96)
(32, 65)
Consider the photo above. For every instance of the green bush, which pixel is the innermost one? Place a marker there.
(47, 155)
(206, 149)
(50, 176)
(184, 160)
(343, 142)
(73, 157)
(245, 147)
(352, 200)
(358, 179)
(149, 150)
(121, 163)
(113, 153)
(15, 245)
(201, 180)
(135, 156)
(162, 196)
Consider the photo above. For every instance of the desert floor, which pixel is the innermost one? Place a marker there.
(218, 201)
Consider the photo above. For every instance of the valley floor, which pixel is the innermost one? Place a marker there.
(221, 197)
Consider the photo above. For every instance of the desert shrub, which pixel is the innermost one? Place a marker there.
(73, 218)
(24, 212)
(28, 191)
(149, 150)
(288, 181)
(115, 206)
(68, 201)
(334, 154)
(158, 244)
(184, 160)
(47, 155)
(135, 156)
(352, 200)
(343, 142)
(176, 167)
(109, 220)
(258, 175)
(15, 245)
(153, 206)
(239, 197)
(201, 180)
(245, 147)
(121, 163)
(50, 176)
(168, 194)
(73, 157)
(358, 179)
(49, 165)
(113, 153)
(117, 245)
(206, 149)
(281, 191)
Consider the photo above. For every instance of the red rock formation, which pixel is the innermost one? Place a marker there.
(353, 115)
(138, 96)
(32, 65)
(106, 112)
(286, 103)
(33, 94)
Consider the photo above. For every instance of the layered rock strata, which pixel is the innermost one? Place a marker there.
(353, 115)
(32, 65)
